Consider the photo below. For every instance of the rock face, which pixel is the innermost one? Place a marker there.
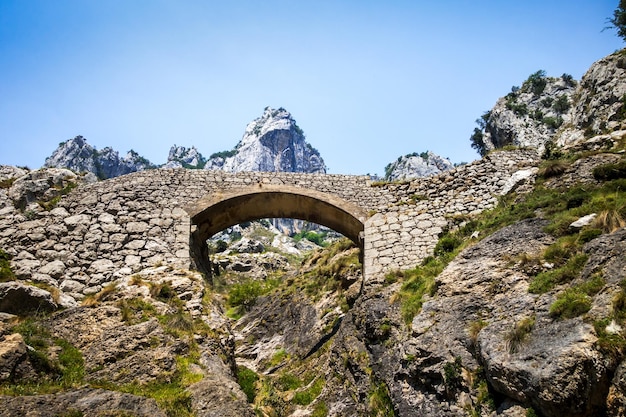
(600, 101)
(413, 165)
(17, 298)
(271, 143)
(531, 115)
(559, 110)
(76, 154)
(87, 401)
(181, 157)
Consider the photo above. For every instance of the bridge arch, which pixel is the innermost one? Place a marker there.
(220, 210)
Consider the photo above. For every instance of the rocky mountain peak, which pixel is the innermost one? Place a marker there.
(417, 165)
(558, 110)
(528, 116)
(181, 157)
(79, 156)
(273, 143)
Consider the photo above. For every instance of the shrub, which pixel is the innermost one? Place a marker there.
(7, 183)
(379, 402)
(320, 409)
(570, 303)
(307, 396)
(418, 282)
(587, 235)
(447, 244)
(535, 83)
(520, 109)
(452, 374)
(547, 102)
(545, 281)
(553, 122)
(474, 328)
(569, 80)
(562, 104)
(6, 273)
(552, 151)
(610, 171)
(618, 21)
(247, 379)
(478, 142)
(245, 294)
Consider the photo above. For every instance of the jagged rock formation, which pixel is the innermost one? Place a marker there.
(77, 155)
(600, 102)
(416, 165)
(271, 143)
(528, 116)
(181, 157)
(558, 110)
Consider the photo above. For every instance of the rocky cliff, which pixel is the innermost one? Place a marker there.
(558, 110)
(271, 143)
(416, 165)
(77, 155)
(181, 157)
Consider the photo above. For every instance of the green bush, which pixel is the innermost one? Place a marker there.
(610, 171)
(247, 379)
(535, 83)
(307, 396)
(553, 122)
(447, 244)
(6, 273)
(379, 401)
(545, 281)
(320, 409)
(587, 235)
(570, 303)
(311, 236)
(562, 104)
(478, 142)
(245, 294)
(452, 374)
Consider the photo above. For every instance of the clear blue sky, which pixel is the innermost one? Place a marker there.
(367, 81)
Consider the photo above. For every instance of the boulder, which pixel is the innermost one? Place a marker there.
(85, 401)
(18, 298)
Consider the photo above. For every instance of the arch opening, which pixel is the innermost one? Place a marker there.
(219, 211)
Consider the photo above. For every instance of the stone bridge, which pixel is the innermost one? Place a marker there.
(112, 228)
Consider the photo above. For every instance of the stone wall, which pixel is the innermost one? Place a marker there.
(116, 227)
(406, 231)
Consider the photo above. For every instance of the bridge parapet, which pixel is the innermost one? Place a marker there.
(116, 227)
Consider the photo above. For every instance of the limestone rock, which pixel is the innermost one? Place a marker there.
(77, 155)
(181, 157)
(14, 364)
(530, 115)
(40, 186)
(87, 401)
(18, 298)
(416, 166)
(600, 99)
(219, 396)
(271, 143)
(246, 245)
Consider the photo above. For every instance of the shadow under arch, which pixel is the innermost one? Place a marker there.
(220, 210)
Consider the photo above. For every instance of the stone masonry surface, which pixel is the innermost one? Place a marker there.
(105, 230)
